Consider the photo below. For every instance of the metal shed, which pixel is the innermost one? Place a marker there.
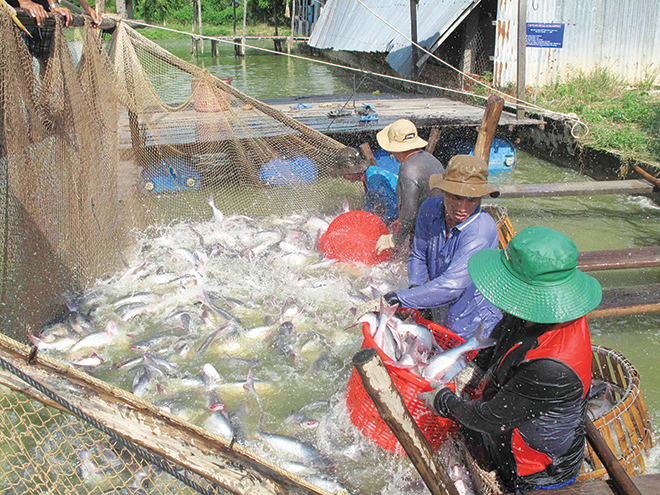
(622, 35)
(347, 25)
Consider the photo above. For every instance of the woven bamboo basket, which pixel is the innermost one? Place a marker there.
(504, 227)
(626, 427)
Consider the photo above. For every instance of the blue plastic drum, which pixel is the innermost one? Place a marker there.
(289, 172)
(502, 154)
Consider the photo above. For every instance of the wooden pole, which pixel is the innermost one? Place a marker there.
(244, 21)
(378, 384)
(413, 37)
(653, 180)
(368, 154)
(433, 140)
(233, 2)
(614, 469)
(522, 46)
(494, 107)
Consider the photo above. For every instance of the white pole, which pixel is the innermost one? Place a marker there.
(244, 19)
(289, 45)
(199, 19)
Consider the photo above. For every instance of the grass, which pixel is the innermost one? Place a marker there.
(209, 30)
(622, 118)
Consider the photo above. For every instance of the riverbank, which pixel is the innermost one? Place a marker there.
(622, 119)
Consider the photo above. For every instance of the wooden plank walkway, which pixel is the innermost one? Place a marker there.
(591, 188)
(424, 111)
(179, 128)
(648, 484)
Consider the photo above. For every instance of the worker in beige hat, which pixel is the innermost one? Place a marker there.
(449, 230)
(417, 166)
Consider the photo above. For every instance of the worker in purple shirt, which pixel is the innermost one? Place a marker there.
(449, 230)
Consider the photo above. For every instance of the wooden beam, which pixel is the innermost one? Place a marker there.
(488, 128)
(619, 301)
(647, 483)
(77, 20)
(391, 407)
(576, 189)
(616, 472)
(614, 259)
(432, 140)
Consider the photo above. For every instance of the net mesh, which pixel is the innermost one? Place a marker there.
(105, 142)
(109, 142)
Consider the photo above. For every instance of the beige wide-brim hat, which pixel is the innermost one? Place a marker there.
(400, 136)
(466, 175)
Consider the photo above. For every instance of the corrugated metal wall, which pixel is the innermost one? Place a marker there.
(623, 35)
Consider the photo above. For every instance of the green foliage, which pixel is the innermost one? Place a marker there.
(620, 117)
(214, 12)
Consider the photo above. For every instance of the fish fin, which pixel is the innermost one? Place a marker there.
(478, 335)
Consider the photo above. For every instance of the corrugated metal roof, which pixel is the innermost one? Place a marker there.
(348, 25)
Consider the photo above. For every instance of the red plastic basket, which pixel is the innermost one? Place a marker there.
(363, 411)
(352, 238)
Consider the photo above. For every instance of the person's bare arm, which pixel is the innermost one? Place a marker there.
(96, 18)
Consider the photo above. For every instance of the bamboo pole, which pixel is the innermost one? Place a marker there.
(488, 128)
(378, 384)
(614, 469)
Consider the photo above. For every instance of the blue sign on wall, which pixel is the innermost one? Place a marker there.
(543, 35)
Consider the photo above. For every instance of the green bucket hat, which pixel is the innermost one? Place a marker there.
(536, 277)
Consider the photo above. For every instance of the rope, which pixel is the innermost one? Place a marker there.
(116, 439)
(531, 106)
(570, 116)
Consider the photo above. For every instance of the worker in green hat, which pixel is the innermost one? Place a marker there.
(528, 399)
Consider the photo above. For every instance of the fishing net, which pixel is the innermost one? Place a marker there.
(63, 431)
(107, 142)
(102, 146)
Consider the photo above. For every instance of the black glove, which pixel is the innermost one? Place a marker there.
(391, 298)
(436, 399)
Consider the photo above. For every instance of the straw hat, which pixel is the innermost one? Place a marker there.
(536, 277)
(400, 136)
(466, 175)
